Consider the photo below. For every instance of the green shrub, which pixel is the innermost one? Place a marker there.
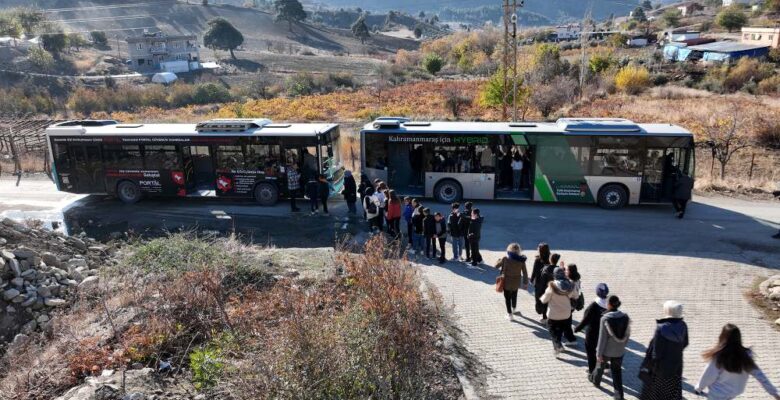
(599, 63)
(432, 63)
(207, 367)
(40, 59)
(659, 79)
(98, 38)
(207, 93)
(300, 84)
(177, 253)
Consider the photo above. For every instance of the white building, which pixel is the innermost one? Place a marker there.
(729, 3)
(568, 32)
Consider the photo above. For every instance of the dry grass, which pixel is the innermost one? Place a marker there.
(31, 162)
(212, 307)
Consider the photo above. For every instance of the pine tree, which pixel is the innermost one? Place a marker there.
(222, 35)
(290, 11)
(360, 29)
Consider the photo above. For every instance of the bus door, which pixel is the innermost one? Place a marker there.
(653, 176)
(87, 171)
(401, 175)
(198, 168)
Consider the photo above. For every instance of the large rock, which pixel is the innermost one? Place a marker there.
(7, 254)
(15, 267)
(76, 263)
(55, 302)
(25, 253)
(774, 293)
(50, 259)
(10, 294)
(18, 282)
(772, 282)
(89, 283)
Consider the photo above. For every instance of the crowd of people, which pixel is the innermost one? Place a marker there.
(426, 231)
(557, 290)
(556, 287)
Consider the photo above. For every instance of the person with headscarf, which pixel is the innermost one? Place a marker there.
(590, 323)
(558, 296)
(350, 191)
(662, 369)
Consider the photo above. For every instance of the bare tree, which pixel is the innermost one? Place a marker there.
(548, 97)
(728, 135)
(456, 99)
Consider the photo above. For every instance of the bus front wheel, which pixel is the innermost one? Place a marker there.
(128, 192)
(266, 194)
(448, 191)
(613, 197)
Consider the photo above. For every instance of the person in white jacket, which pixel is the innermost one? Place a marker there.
(558, 296)
(730, 365)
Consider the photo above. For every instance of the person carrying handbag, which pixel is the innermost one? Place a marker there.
(515, 276)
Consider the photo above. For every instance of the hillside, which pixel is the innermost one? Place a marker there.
(555, 11)
(120, 19)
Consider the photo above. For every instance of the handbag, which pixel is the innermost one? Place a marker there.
(579, 303)
(500, 283)
(646, 371)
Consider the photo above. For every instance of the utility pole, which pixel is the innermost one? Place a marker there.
(505, 64)
(515, 31)
(118, 50)
(584, 35)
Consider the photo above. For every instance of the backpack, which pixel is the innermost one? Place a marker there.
(371, 207)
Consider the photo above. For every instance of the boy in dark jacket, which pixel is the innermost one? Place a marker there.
(474, 235)
(429, 230)
(440, 234)
(312, 192)
(323, 192)
(464, 228)
(614, 332)
(590, 323)
(454, 226)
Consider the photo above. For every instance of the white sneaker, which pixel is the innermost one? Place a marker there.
(573, 343)
(510, 317)
(412, 252)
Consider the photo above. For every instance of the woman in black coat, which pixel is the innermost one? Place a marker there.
(591, 323)
(540, 285)
(350, 191)
(662, 369)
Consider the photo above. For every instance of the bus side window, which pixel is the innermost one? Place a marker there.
(230, 157)
(263, 157)
(122, 156)
(161, 157)
(61, 157)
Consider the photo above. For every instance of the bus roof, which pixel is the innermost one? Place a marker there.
(216, 127)
(566, 126)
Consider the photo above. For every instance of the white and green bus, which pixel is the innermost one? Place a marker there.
(611, 162)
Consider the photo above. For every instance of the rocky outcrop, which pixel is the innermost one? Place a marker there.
(770, 289)
(136, 384)
(41, 271)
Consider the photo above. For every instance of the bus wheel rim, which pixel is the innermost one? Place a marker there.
(448, 192)
(265, 193)
(613, 197)
(128, 191)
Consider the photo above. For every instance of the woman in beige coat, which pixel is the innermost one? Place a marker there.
(515, 275)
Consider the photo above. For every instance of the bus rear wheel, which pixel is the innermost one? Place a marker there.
(266, 194)
(128, 192)
(448, 191)
(613, 197)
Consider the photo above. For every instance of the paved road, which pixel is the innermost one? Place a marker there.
(646, 256)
